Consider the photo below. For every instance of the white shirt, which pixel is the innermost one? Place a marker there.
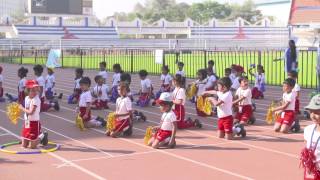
(116, 79)
(50, 80)
(104, 75)
(41, 83)
(166, 121)
(259, 79)
(201, 86)
(211, 80)
(307, 137)
(123, 106)
(179, 94)
(296, 88)
(290, 97)
(166, 79)
(225, 109)
(232, 76)
(101, 91)
(181, 73)
(235, 83)
(28, 104)
(77, 83)
(22, 84)
(145, 84)
(1, 78)
(245, 93)
(85, 98)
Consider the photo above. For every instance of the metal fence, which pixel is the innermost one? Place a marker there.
(133, 60)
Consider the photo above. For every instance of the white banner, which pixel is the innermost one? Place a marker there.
(159, 56)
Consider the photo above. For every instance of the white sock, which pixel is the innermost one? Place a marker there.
(41, 136)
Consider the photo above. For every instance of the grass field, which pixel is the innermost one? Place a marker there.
(135, 61)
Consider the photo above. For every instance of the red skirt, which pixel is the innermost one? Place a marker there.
(308, 176)
(122, 125)
(245, 114)
(179, 111)
(162, 135)
(225, 124)
(83, 112)
(100, 104)
(44, 106)
(31, 131)
(286, 117)
(256, 94)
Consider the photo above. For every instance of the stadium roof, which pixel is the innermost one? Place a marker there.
(304, 12)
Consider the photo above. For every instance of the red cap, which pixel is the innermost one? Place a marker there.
(31, 84)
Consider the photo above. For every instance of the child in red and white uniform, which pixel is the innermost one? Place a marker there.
(310, 155)
(38, 70)
(22, 73)
(285, 112)
(100, 93)
(294, 75)
(201, 87)
(259, 86)
(32, 127)
(166, 82)
(145, 89)
(179, 100)
(103, 72)
(74, 98)
(224, 109)
(211, 66)
(180, 69)
(1, 83)
(84, 106)
(212, 80)
(123, 113)
(165, 134)
(115, 82)
(243, 101)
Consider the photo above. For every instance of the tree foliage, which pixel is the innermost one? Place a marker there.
(154, 10)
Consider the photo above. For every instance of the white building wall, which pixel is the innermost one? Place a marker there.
(9, 8)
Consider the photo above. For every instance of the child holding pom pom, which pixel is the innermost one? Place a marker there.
(286, 111)
(85, 106)
(123, 113)
(74, 98)
(166, 132)
(310, 155)
(31, 129)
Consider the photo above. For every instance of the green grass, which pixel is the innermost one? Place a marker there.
(145, 60)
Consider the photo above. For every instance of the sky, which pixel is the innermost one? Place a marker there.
(104, 8)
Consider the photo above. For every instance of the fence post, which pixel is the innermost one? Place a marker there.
(61, 57)
(81, 58)
(131, 59)
(205, 58)
(21, 54)
(259, 57)
(164, 58)
(104, 55)
(35, 56)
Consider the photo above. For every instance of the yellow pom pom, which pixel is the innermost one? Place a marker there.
(13, 112)
(191, 91)
(270, 118)
(204, 105)
(111, 122)
(79, 123)
(148, 135)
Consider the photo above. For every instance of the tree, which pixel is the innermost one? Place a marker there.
(246, 11)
